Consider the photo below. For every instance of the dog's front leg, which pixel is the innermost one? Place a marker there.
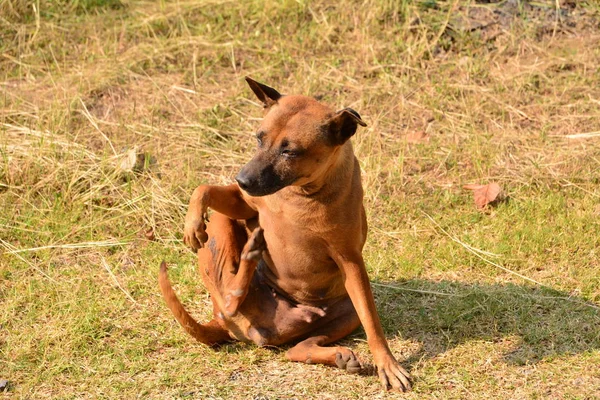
(227, 200)
(391, 374)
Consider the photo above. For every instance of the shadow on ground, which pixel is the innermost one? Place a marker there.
(545, 322)
(540, 323)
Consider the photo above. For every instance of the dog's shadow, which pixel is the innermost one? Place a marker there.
(442, 315)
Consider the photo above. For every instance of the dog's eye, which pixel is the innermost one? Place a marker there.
(259, 138)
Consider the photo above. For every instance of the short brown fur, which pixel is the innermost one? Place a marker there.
(282, 254)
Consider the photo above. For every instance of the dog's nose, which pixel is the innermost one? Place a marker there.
(244, 181)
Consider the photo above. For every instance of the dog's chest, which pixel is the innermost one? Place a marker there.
(296, 241)
(298, 264)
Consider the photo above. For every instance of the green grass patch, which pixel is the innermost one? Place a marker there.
(502, 302)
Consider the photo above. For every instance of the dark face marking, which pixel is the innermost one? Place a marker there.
(260, 177)
(297, 142)
(286, 153)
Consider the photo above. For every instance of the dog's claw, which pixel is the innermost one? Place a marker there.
(393, 376)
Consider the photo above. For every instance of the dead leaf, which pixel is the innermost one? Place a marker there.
(417, 137)
(149, 234)
(484, 194)
(129, 160)
(134, 160)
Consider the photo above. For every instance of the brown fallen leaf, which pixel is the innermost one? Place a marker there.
(417, 137)
(484, 194)
(149, 234)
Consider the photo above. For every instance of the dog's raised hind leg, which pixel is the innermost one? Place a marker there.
(236, 289)
(229, 260)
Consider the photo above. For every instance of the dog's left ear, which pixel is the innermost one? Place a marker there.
(342, 126)
(266, 94)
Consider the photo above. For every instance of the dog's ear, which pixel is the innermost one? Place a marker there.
(266, 94)
(343, 125)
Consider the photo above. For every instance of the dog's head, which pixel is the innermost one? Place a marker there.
(297, 141)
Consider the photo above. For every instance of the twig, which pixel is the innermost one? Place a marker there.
(107, 267)
(415, 290)
(586, 135)
(10, 249)
(90, 118)
(476, 253)
(472, 250)
(81, 245)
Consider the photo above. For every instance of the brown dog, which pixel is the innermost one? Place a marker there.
(283, 259)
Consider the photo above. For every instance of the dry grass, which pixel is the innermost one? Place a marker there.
(113, 111)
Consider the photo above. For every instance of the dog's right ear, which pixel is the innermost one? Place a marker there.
(266, 94)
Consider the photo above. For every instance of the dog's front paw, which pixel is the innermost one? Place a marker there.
(392, 375)
(255, 246)
(194, 231)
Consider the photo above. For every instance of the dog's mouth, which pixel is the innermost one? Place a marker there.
(261, 191)
(262, 184)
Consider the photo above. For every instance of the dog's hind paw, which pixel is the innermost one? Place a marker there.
(255, 246)
(345, 359)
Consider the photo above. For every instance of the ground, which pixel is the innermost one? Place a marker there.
(113, 111)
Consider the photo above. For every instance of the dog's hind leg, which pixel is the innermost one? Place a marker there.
(229, 261)
(313, 350)
(236, 288)
(227, 265)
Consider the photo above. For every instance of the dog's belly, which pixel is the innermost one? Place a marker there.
(269, 317)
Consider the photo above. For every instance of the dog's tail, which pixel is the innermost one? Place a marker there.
(209, 334)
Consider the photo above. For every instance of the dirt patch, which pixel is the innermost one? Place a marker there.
(490, 18)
